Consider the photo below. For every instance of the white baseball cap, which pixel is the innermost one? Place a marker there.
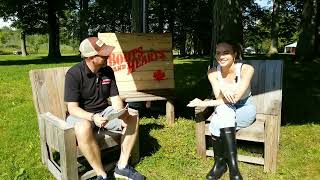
(93, 46)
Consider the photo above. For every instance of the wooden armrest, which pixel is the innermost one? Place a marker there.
(54, 120)
(202, 113)
(56, 132)
(59, 136)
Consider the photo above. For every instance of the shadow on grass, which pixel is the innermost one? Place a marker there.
(190, 82)
(152, 145)
(37, 60)
(301, 93)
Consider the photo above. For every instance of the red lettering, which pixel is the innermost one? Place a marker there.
(144, 60)
(117, 59)
(136, 58)
(162, 54)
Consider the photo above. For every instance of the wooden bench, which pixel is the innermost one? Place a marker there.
(267, 96)
(143, 66)
(56, 136)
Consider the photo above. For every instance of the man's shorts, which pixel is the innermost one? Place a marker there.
(113, 125)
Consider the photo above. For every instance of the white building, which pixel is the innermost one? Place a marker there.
(290, 48)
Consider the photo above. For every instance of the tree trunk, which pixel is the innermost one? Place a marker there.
(317, 36)
(227, 22)
(183, 44)
(306, 44)
(83, 32)
(160, 17)
(23, 44)
(137, 15)
(53, 23)
(171, 15)
(273, 49)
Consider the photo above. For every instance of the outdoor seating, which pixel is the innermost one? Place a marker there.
(57, 136)
(143, 73)
(267, 96)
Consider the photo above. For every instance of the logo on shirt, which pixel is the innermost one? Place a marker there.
(105, 81)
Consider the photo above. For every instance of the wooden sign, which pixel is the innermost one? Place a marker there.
(141, 61)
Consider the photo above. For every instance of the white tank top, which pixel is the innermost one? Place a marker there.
(235, 85)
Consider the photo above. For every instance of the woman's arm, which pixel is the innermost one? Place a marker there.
(213, 78)
(247, 72)
(218, 89)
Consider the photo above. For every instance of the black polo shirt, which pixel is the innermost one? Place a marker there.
(89, 89)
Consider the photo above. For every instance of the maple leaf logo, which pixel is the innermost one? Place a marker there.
(159, 75)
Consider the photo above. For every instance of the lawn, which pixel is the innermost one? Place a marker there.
(168, 152)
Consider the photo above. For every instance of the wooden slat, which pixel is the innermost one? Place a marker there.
(52, 136)
(254, 132)
(53, 125)
(54, 170)
(243, 158)
(200, 132)
(68, 156)
(141, 75)
(155, 65)
(127, 41)
(134, 96)
(144, 58)
(170, 112)
(152, 66)
(271, 144)
(145, 85)
(48, 89)
(156, 92)
(267, 85)
(151, 98)
(273, 87)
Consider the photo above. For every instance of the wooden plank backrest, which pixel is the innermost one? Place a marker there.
(141, 61)
(48, 90)
(266, 86)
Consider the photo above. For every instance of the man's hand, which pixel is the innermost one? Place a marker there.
(99, 121)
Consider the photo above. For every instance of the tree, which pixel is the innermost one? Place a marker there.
(274, 28)
(308, 47)
(137, 18)
(83, 12)
(227, 22)
(53, 29)
(24, 17)
(255, 29)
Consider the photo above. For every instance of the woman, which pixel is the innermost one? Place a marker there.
(230, 82)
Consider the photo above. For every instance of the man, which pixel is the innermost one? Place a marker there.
(88, 85)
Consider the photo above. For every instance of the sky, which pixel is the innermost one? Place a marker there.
(262, 3)
(2, 23)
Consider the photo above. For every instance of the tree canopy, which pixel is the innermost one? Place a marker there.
(195, 24)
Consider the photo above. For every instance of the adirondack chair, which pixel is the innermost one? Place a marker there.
(267, 96)
(143, 68)
(58, 136)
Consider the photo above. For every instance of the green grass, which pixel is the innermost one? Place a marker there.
(167, 153)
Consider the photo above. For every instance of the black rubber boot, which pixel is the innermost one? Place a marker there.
(220, 165)
(228, 136)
